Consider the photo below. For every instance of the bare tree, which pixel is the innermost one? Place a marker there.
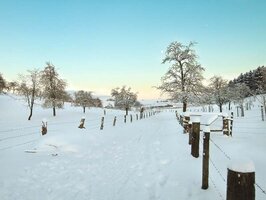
(29, 88)
(219, 90)
(53, 88)
(13, 86)
(124, 98)
(184, 78)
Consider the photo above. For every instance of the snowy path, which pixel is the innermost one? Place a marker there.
(148, 159)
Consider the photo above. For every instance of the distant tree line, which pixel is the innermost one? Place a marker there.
(47, 86)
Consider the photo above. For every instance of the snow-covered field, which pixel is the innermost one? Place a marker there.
(148, 159)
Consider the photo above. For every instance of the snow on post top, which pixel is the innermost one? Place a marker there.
(44, 120)
(242, 165)
(195, 118)
(186, 114)
(206, 129)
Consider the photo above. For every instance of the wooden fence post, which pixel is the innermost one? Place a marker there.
(190, 132)
(137, 117)
(225, 125)
(262, 114)
(125, 119)
(114, 122)
(241, 181)
(44, 127)
(237, 112)
(205, 158)
(231, 124)
(82, 121)
(102, 121)
(185, 122)
(195, 135)
(131, 118)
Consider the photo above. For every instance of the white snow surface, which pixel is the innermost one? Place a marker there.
(147, 159)
(242, 165)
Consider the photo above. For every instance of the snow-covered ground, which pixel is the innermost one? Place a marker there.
(148, 159)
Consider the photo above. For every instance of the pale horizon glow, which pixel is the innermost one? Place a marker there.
(101, 45)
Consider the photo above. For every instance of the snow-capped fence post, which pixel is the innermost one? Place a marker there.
(114, 122)
(82, 122)
(131, 118)
(195, 119)
(185, 122)
(125, 119)
(241, 181)
(44, 126)
(262, 114)
(102, 121)
(225, 125)
(231, 124)
(205, 158)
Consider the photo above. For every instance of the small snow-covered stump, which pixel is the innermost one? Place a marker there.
(241, 181)
(44, 127)
(82, 122)
(195, 119)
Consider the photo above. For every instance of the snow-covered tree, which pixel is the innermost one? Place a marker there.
(53, 88)
(30, 87)
(183, 79)
(13, 86)
(241, 91)
(124, 98)
(83, 99)
(2, 83)
(97, 102)
(219, 90)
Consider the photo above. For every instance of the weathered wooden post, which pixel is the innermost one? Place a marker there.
(205, 158)
(125, 119)
(190, 132)
(102, 122)
(195, 119)
(137, 117)
(44, 127)
(231, 124)
(241, 181)
(225, 124)
(131, 118)
(262, 114)
(114, 122)
(185, 122)
(82, 122)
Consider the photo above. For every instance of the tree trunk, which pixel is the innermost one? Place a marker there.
(242, 110)
(221, 107)
(84, 109)
(184, 106)
(229, 105)
(54, 113)
(126, 111)
(30, 113)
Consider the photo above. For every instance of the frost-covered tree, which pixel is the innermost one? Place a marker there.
(241, 91)
(13, 86)
(183, 79)
(218, 88)
(83, 99)
(124, 98)
(53, 88)
(29, 88)
(2, 83)
(97, 102)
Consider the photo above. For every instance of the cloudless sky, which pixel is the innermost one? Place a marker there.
(98, 45)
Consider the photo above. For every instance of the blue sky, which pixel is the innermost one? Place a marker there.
(99, 45)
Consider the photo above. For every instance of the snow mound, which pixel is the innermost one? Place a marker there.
(242, 165)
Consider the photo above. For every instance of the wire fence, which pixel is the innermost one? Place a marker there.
(19, 136)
